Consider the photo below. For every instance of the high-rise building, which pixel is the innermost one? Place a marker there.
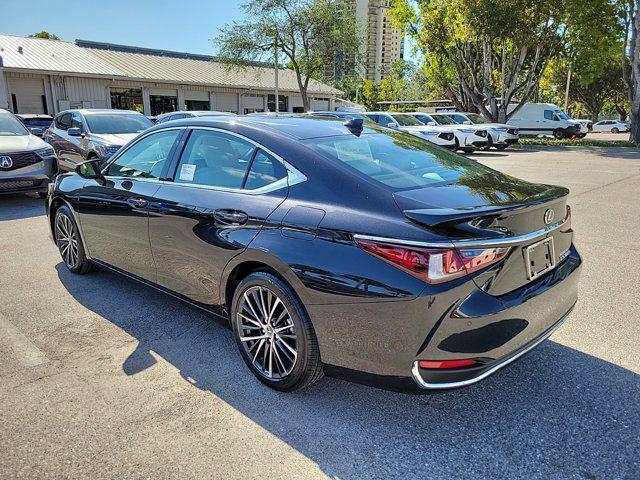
(383, 44)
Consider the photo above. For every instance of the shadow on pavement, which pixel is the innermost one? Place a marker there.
(557, 413)
(17, 206)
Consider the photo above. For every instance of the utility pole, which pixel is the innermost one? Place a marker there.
(566, 90)
(275, 64)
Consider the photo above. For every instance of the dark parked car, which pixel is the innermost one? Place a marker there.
(36, 123)
(331, 246)
(27, 164)
(79, 135)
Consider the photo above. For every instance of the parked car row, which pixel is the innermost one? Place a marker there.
(86, 134)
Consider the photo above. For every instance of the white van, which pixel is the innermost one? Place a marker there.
(546, 119)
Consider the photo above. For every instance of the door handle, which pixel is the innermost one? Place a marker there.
(231, 217)
(137, 202)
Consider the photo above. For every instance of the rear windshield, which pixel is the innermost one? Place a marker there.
(10, 126)
(117, 123)
(398, 160)
(37, 122)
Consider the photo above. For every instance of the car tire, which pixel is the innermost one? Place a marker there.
(264, 308)
(456, 146)
(69, 242)
(502, 147)
(558, 134)
(615, 130)
(468, 150)
(488, 145)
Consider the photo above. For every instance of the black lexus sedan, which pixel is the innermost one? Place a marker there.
(331, 246)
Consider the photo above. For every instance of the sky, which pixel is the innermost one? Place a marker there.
(179, 25)
(182, 25)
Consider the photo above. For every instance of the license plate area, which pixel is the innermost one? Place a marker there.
(539, 258)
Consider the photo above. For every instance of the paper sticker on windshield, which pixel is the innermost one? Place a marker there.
(187, 172)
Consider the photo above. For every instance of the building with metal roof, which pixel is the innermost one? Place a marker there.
(47, 76)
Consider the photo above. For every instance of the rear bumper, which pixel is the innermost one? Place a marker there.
(383, 341)
(423, 378)
(496, 335)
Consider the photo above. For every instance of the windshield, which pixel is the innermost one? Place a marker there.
(475, 118)
(10, 126)
(444, 120)
(561, 115)
(423, 118)
(407, 120)
(117, 123)
(397, 159)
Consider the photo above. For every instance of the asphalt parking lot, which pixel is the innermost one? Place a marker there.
(104, 378)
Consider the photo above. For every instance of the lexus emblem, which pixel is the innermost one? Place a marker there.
(6, 162)
(548, 216)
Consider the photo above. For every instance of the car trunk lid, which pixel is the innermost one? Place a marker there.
(496, 210)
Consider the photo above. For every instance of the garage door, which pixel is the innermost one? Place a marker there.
(27, 95)
(319, 104)
(227, 102)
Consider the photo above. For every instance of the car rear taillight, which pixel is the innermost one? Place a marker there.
(433, 265)
(442, 364)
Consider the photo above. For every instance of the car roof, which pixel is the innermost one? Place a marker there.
(299, 127)
(34, 115)
(100, 111)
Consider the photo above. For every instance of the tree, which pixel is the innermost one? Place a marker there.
(45, 34)
(591, 86)
(492, 52)
(309, 34)
(629, 12)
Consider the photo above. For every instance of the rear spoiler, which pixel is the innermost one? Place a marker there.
(433, 217)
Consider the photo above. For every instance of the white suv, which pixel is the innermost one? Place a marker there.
(445, 137)
(468, 137)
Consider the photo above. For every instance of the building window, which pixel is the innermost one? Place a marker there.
(163, 104)
(282, 103)
(126, 98)
(196, 105)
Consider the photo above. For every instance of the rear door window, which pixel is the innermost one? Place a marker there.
(265, 170)
(214, 159)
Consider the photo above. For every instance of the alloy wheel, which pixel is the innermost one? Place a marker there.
(267, 333)
(67, 240)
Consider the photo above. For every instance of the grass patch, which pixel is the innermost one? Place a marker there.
(576, 142)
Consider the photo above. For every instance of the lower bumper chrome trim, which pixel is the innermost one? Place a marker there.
(415, 370)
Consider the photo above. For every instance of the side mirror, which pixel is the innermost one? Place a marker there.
(392, 125)
(37, 132)
(432, 124)
(74, 132)
(90, 170)
(467, 122)
(555, 118)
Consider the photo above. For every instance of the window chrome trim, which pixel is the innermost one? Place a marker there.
(294, 176)
(481, 243)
